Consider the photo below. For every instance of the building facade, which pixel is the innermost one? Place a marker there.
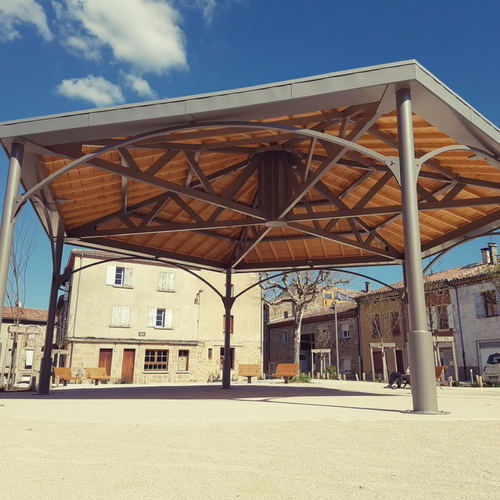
(475, 300)
(319, 330)
(382, 333)
(462, 315)
(149, 322)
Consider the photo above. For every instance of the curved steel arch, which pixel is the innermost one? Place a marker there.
(319, 136)
(457, 147)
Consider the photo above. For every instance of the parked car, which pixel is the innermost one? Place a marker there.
(491, 372)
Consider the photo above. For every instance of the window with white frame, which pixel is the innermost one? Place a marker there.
(166, 282)
(490, 303)
(160, 318)
(119, 276)
(346, 334)
(440, 317)
(120, 317)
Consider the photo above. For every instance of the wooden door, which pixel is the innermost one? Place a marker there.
(105, 357)
(377, 361)
(128, 365)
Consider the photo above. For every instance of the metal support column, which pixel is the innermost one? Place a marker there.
(423, 385)
(46, 364)
(8, 220)
(228, 303)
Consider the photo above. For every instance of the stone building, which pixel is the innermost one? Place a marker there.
(21, 339)
(318, 332)
(462, 314)
(474, 293)
(149, 322)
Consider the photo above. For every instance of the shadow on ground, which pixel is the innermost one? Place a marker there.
(193, 392)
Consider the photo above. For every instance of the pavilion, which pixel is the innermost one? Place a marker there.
(379, 165)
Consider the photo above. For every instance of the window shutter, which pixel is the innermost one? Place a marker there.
(451, 322)
(168, 318)
(162, 285)
(116, 316)
(167, 281)
(151, 317)
(129, 272)
(171, 282)
(479, 305)
(125, 316)
(110, 275)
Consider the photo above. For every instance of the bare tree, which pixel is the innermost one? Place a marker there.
(299, 288)
(23, 246)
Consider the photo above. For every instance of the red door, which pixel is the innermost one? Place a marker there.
(128, 365)
(105, 357)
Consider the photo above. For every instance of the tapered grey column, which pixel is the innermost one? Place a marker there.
(46, 364)
(7, 230)
(228, 302)
(423, 385)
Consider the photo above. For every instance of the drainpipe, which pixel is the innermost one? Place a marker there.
(461, 333)
(360, 351)
(77, 293)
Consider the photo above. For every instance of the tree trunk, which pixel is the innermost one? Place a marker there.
(296, 335)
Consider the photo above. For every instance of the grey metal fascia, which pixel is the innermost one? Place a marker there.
(441, 107)
(223, 105)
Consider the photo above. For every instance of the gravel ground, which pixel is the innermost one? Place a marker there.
(329, 439)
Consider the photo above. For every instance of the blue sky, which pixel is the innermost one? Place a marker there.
(67, 55)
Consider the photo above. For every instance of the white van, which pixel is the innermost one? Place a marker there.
(491, 372)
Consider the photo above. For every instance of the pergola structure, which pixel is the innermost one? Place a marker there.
(380, 165)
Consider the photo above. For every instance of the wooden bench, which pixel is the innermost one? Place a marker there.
(286, 371)
(249, 371)
(97, 374)
(439, 372)
(65, 375)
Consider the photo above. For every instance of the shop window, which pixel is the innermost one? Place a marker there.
(156, 360)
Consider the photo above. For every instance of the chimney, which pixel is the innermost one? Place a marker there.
(493, 252)
(486, 255)
(367, 286)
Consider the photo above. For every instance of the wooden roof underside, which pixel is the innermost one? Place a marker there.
(253, 190)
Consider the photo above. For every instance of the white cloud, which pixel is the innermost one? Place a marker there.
(16, 12)
(95, 89)
(83, 45)
(208, 7)
(142, 33)
(140, 86)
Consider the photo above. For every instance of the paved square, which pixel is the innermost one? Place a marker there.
(328, 439)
